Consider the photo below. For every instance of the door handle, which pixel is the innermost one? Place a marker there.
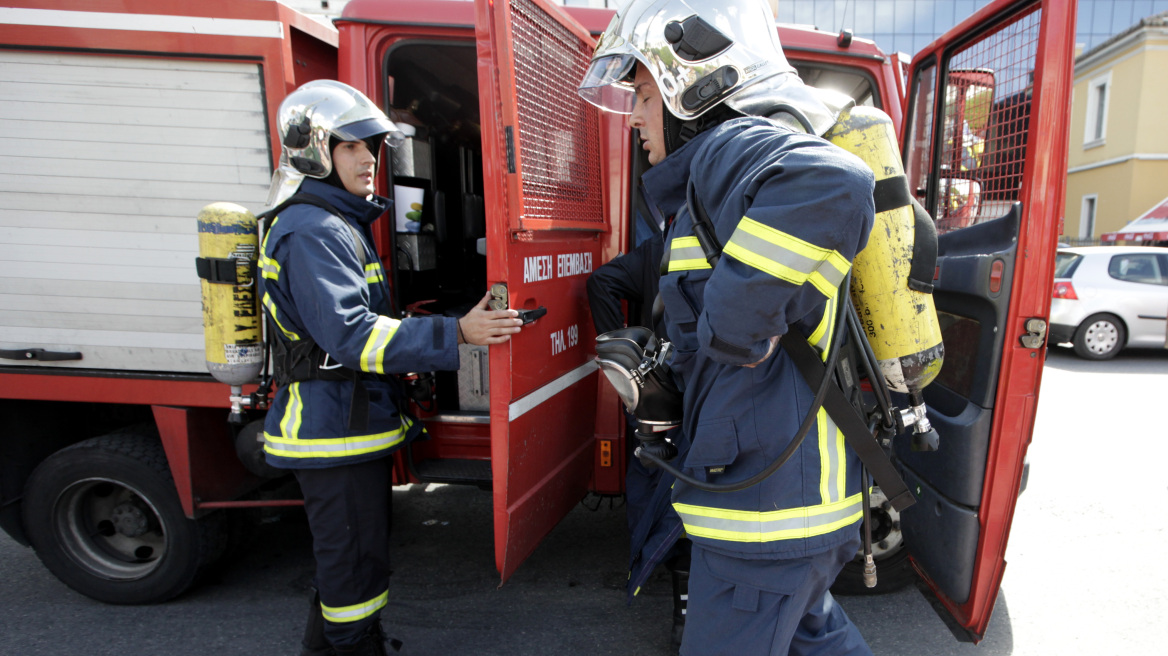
(527, 316)
(38, 354)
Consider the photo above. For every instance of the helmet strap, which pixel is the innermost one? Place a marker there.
(678, 131)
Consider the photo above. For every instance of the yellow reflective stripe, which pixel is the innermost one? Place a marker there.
(373, 272)
(293, 413)
(373, 355)
(832, 463)
(276, 318)
(342, 614)
(770, 526)
(841, 456)
(821, 337)
(335, 447)
(787, 257)
(686, 254)
(269, 267)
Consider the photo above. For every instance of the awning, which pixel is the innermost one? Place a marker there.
(1152, 226)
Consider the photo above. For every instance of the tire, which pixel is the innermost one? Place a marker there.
(104, 517)
(893, 569)
(1099, 337)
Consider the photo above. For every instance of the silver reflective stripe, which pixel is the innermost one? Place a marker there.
(686, 254)
(798, 263)
(290, 424)
(373, 272)
(269, 267)
(831, 459)
(333, 447)
(355, 612)
(373, 356)
(753, 526)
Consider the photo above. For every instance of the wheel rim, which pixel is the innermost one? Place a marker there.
(110, 529)
(1101, 337)
(887, 538)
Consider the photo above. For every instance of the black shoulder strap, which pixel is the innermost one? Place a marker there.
(301, 197)
(849, 422)
(924, 257)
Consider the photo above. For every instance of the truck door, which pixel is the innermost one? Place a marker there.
(986, 144)
(543, 189)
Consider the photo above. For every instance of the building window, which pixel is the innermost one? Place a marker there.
(1087, 216)
(1098, 92)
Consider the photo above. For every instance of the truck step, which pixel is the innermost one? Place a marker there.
(463, 472)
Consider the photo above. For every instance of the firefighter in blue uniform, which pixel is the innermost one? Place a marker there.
(336, 416)
(728, 125)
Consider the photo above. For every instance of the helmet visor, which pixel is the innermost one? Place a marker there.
(364, 129)
(607, 84)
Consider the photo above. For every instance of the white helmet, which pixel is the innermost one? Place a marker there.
(700, 52)
(309, 117)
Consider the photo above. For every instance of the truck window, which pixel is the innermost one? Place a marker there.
(985, 121)
(852, 82)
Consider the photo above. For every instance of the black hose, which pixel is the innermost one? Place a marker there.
(804, 428)
(872, 366)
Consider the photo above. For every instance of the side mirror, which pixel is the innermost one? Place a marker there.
(958, 202)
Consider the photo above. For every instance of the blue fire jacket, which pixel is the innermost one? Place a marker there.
(314, 285)
(792, 211)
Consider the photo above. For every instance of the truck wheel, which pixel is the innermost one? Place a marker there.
(1099, 337)
(893, 570)
(104, 517)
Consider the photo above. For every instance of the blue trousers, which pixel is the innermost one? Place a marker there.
(746, 607)
(348, 510)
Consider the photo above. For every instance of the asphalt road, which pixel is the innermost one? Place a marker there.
(1084, 575)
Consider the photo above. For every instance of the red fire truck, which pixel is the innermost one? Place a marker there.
(145, 111)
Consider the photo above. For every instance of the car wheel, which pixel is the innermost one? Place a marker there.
(104, 517)
(1099, 337)
(893, 570)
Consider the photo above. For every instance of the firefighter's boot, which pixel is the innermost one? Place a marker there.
(680, 600)
(314, 642)
(372, 643)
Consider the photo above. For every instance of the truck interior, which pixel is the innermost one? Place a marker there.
(439, 248)
(438, 241)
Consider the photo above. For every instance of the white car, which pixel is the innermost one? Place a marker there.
(1110, 297)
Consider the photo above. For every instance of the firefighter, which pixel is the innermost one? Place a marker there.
(733, 134)
(655, 534)
(337, 414)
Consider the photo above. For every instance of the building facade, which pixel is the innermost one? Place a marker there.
(1118, 157)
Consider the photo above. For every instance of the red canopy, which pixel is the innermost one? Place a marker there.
(1152, 226)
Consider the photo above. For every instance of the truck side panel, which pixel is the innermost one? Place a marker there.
(109, 159)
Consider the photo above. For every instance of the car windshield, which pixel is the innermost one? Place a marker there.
(1065, 264)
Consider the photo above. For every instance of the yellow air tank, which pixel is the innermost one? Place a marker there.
(899, 321)
(228, 249)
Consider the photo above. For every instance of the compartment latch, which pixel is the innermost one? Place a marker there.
(1035, 333)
